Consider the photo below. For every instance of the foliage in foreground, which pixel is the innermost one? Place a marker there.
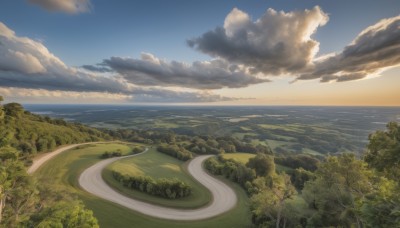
(343, 191)
(24, 203)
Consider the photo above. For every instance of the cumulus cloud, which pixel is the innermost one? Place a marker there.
(67, 6)
(151, 71)
(373, 50)
(28, 64)
(274, 44)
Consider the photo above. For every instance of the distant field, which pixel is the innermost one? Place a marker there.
(63, 172)
(158, 165)
(313, 130)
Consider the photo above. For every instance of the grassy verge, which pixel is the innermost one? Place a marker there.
(158, 165)
(63, 172)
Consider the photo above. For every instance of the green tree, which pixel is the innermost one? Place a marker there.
(65, 214)
(1, 109)
(263, 165)
(384, 151)
(18, 193)
(382, 209)
(13, 109)
(272, 200)
(337, 193)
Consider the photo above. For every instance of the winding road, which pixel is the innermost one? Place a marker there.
(224, 198)
(40, 161)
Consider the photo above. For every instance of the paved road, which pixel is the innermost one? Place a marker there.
(224, 198)
(39, 162)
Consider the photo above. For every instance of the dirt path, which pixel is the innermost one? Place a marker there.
(224, 198)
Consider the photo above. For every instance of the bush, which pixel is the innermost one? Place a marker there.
(170, 189)
(107, 154)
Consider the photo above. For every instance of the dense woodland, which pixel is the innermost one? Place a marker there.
(23, 201)
(332, 191)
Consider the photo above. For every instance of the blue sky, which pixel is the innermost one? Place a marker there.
(162, 28)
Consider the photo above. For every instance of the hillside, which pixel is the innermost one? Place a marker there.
(24, 202)
(31, 134)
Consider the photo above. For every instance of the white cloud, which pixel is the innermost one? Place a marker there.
(275, 44)
(28, 64)
(375, 49)
(67, 6)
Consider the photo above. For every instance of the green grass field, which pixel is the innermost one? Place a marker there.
(63, 172)
(239, 157)
(158, 165)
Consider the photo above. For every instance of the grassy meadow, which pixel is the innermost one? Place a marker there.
(158, 165)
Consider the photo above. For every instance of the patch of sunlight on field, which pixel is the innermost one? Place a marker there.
(239, 157)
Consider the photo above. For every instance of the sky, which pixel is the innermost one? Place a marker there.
(239, 52)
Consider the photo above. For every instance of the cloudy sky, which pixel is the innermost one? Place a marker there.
(252, 52)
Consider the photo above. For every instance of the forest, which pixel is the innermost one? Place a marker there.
(23, 201)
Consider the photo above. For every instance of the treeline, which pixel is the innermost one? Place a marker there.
(118, 153)
(175, 151)
(23, 202)
(195, 144)
(231, 169)
(31, 134)
(341, 191)
(170, 189)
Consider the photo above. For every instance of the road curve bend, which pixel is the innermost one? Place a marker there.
(39, 162)
(224, 198)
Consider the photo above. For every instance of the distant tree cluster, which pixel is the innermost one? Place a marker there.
(211, 145)
(175, 151)
(196, 144)
(170, 189)
(304, 161)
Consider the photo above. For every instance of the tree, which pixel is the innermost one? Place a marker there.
(13, 109)
(271, 202)
(263, 165)
(337, 193)
(1, 109)
(384, 151)
(64, 214)
(382, 208)
(18, 193)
